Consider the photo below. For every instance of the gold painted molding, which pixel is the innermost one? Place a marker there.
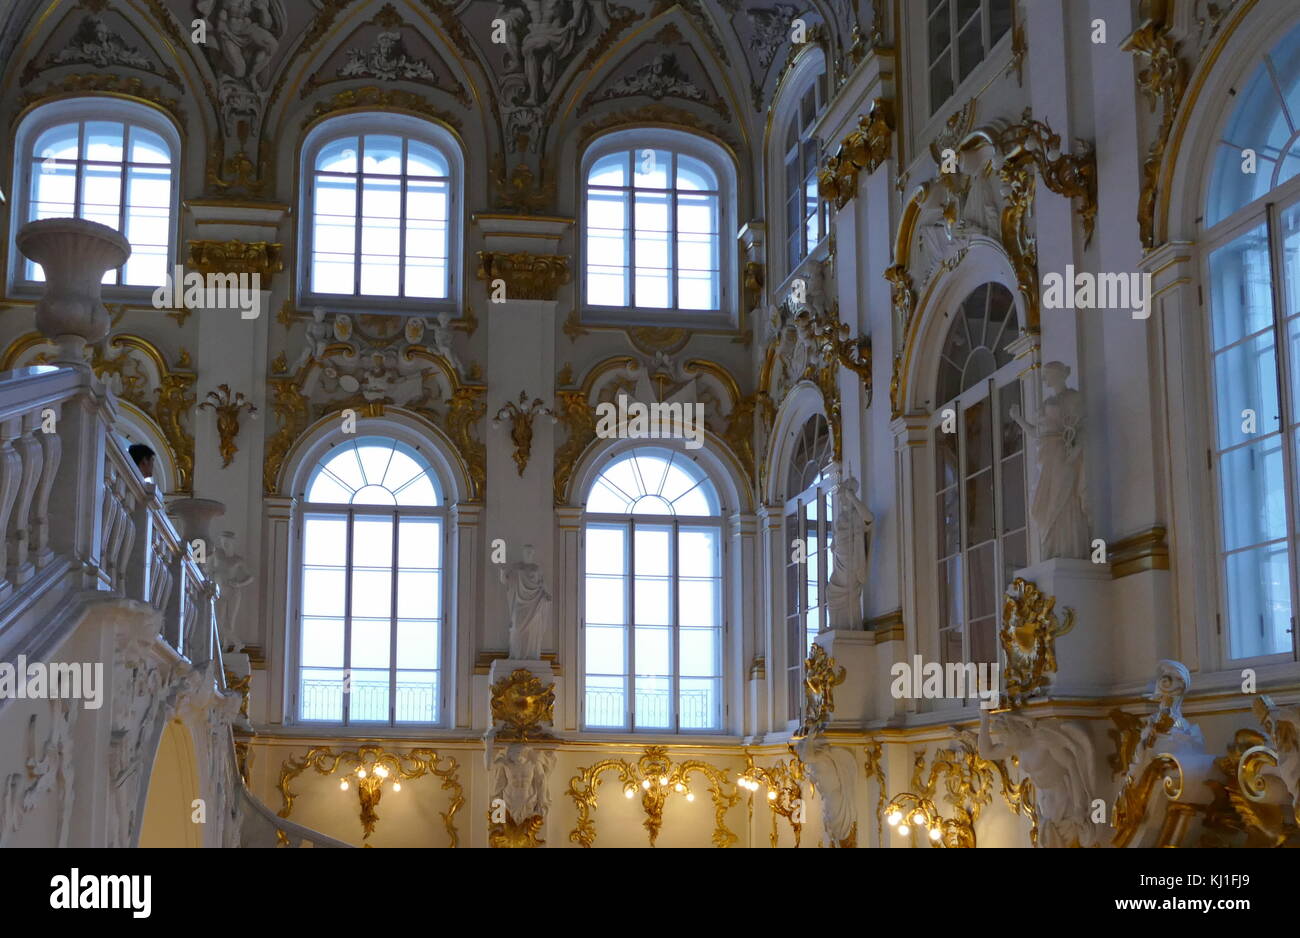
(118, 86)
(889, 627)
(527, 276)
(1146, 550)
(374, 98)
(236, 257)
(227, 409)
(861, 151)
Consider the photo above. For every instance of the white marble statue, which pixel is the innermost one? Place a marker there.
(442, 333)
(541, 34)
(529, 605)
(834, 773)
(231, 573)
(519, 774)
(850, 541)
(1058, 506)
(1059, 757)
(319, 334)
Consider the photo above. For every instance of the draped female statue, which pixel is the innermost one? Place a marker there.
(1058, 509)
(529, 604)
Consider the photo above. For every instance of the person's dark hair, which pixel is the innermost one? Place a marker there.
(139, 453)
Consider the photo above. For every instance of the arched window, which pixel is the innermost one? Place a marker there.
(107, 161)
(380, 195)
(1253, 272)
(653, 623)
(371, 604)
(807, 521)
(959, 34)
(805, 215)
(657, 203)
(979, 472)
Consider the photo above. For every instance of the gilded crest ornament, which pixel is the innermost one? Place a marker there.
(1028, 636)
(820, 681)
(523, 704)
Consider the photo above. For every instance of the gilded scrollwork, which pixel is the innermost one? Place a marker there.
(409, 765)
(783, 793)
(526, 276)
(657, 778)
(861, 151)
(522, 705)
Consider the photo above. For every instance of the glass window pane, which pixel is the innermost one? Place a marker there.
(1245, 379)
(372, 542)
(325, 540)
(699, 653)
(699, 703)
(417, 594)
(650, 168)
(605, 703)
(370, 643)
(609, 170)
(323, 592)
(979, 437)
(322, 643)
(320, 695)
(419, 543)
(1252, 489)
(1259, 601)
(652, 550)
(698, 553)
(1241, 300)
(605, 649)
(654, 703)
(417, 697)
(653, 601)
(368, 702)
(606, 600)
(417, 645)
(338, 156)
(372, 594)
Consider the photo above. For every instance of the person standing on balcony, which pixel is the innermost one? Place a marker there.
(143, 458)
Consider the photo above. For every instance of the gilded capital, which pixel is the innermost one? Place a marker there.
(526, 276)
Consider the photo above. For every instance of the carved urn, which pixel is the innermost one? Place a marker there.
(75, 254)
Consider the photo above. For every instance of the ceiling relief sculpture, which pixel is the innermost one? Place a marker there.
(98, 38)
(664, 67)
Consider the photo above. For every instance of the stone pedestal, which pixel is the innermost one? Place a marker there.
(854, 651)
(1084, 655)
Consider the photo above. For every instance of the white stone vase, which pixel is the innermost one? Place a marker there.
(75, 254)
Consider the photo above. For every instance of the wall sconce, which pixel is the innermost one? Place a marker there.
(370, 788)
(907, 811)
(784, 794)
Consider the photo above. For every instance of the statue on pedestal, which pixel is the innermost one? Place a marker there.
(529, 605)
(850, 541)
(228, 570)
(1058, 507)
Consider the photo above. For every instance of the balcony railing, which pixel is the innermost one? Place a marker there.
(322, 700)
(697, 709)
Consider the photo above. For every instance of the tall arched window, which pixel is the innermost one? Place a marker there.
(652, 631)
(979, 472)
(657, 203)
(371, 609)
(380, 196)
(808, 522)
(107, 161)
(805, 215)
(1253, 270)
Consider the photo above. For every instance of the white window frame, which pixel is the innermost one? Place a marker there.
(1264, 211)
(446, 669)
(76, 110)
(716, 523)
(930, 110)
(723, 165)
(989, 390)
(812, 77)
(403, 125)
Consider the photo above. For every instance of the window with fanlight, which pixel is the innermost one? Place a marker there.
(979, 470)
(371, 590)
(808, 528)
(1252, 270)
(104, 160)
(653, 620)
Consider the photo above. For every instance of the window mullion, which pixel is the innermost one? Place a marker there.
(360, 225)
(1282, 374)
(118, 273)
(630, 629)
(401, 216)
(347, 625)
(392, 630)
(675, 664)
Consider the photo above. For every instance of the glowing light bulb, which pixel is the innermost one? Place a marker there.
(343, 785)
(646, 784)
(629, 792)
(381, 771)
(663, 779)
(397, 786)
(894, 818)
(904, 830)
(771, 795)
(679, 787)
(361, 773)
(690, 796)
(918, 818)
(935, 833)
